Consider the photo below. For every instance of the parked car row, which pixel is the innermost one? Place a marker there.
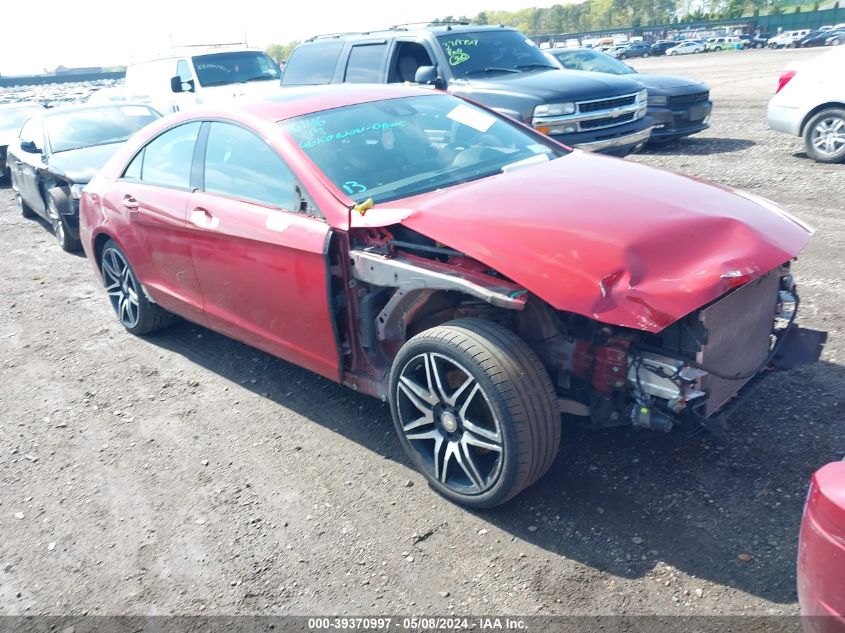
(824, 36)
(54, 95)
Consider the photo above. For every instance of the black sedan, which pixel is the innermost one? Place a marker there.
(57, 153)
(12, 116)
(813, 38)
(679, 106)
(660, 48)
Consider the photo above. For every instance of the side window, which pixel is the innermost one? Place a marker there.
(241, 165)
(133, 171)
(168, 158)
(312, 63)
(31, 131)
(183, 71)
(408, 58)
(365, 63)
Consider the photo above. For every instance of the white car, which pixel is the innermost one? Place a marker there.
(685, 48)
(787, 38)
(810, 102)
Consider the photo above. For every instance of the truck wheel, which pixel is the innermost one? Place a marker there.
(475, 411)
(135, 312)
(58, 205)
(824, 136)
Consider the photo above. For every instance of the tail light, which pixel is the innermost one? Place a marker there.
(784, 79)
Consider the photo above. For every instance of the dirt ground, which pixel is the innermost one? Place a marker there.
(186, 473)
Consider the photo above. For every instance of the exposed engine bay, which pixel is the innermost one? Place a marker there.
(604, 375)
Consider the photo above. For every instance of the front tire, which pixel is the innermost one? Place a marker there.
(824, 136)
(134, 311)
(475, 411)
(645, 55)
(58, 206)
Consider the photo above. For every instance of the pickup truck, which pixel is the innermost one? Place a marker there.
(495, 66)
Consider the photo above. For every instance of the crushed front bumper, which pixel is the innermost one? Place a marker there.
(672, 123)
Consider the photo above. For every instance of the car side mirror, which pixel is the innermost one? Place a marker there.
(30, 147)
(177, 85)
(428, 76)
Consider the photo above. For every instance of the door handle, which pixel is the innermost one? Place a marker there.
(130, 203)
(203, 217)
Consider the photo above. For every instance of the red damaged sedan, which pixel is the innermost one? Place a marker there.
(477, 275)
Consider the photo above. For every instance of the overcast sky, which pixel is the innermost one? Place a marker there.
(46, 33)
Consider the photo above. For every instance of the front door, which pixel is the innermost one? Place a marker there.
(28, 164)
(262, 265)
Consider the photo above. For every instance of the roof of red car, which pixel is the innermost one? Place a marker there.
(293, 102)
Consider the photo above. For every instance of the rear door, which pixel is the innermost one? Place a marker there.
(152, 198)
(261, 263)
(367, 62)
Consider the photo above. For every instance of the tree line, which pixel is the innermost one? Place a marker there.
(594, 15)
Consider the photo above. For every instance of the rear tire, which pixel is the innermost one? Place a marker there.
(645, 55)
(475, 411)
(58, 206)
(824, 136)
(134, 311)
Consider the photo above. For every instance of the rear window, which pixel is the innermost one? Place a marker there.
(365, 63)
(312, 63)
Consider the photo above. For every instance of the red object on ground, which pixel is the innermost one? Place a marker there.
(821, 553)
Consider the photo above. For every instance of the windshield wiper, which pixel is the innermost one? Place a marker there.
(257, 78)
(491, 69)
(535, 65)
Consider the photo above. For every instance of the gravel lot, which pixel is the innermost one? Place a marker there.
(186, 473)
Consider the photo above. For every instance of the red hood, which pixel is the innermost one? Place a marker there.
(616, 241)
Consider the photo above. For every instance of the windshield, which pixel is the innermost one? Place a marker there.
(593, 61)
(235, 67)
(13, 118)
(491, 51)
(96, 126)
(392, 149)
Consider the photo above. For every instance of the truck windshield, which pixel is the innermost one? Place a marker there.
(397, 148)
(491, 52)
(235, 67)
